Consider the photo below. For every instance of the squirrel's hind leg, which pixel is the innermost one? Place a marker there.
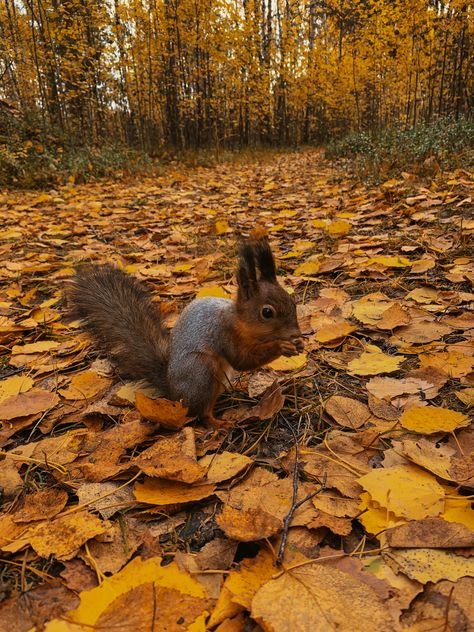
(200, 385)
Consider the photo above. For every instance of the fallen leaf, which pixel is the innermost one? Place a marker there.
(155, 491)
(405, 490)
(163, 411)
(289, 364)
(34, 401)
(429, 419)
(319, 598)
(372, 363)
(85, 385)
(172, 457)
(347, 412)
(429, 565)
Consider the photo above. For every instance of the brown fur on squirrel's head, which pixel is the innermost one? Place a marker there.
(262, 303)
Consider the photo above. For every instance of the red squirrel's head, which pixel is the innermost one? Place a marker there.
(262, 304)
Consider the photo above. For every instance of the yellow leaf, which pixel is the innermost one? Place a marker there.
(14, 385)
(334, 332)
(183, 267)
(221, 227)
(180, 597)
(320, 223)
(374, 518)
(225, 465)
(370, 363)
(430, 565)
(308, 268)
(212, 290)
(369, 309)
(390, 262)
(289, 364)
(429, 419)
(339, 227)
(459, 510)
(35, 347)
(85, 385)
(405, 490)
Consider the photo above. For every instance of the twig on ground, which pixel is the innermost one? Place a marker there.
(294, 503)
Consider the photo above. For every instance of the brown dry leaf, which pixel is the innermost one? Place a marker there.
(443, 606)
(31, 610)
(260, 381)
(394, 316)
(61, 537)
(338, 525)
(40, 505)
(270, 404)
(431, 375)
(101, 452)
(217, 554)
(429, 565)
(318, 598)
(347, 412)
(168, 414)
(434, 533)
(78, 576)
(173, 458)
(223, 466)
(110, 551)
(255, 507)
(433, 457)
(430, 419)
(33, 402)
(421, 332)
(466, 396)
(85, 385)
(155, 491)
(340, 475)
(332, 502)
(10, 481)
(10, 530)
(405, 490)
(388, 388)
(106, 498)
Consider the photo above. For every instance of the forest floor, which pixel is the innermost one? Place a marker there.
(119, 513)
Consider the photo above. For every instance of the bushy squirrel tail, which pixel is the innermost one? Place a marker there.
(124, 322)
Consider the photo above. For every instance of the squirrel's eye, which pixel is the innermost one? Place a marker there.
(268, 311)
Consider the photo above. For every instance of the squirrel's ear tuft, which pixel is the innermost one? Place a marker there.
(264, 259)
(247, 273)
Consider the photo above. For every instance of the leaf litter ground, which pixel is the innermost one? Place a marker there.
(119, 512)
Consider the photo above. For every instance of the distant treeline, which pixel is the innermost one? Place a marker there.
(229, 73)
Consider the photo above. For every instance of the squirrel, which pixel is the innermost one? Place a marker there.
(212, 339)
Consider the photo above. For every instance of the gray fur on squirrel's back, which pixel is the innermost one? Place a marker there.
(198, 330)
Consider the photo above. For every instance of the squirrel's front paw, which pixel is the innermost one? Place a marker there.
(287, 348)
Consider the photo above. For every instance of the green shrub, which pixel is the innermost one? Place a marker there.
(32, 155)
(446, 142)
